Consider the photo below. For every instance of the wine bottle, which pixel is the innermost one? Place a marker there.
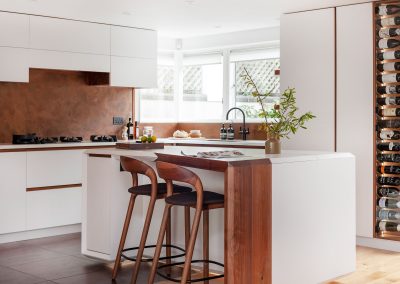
(388, 43)
(389, 226)
(388, 32)
(389, 78)
(384, 10)
(388, 123)
(393, 170)
(388, 146)
(389, 90)
(130, 129)
(230, 133)
(392, 158)
(389, 112)
(388, 203)
(223, 133)
(389, 55)
(392, 66)
(388, 101)
(389, 135)
(388, 181)
(388, 192)
(392, 21)
(383, 214)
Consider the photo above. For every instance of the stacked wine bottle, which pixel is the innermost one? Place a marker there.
(387, 118)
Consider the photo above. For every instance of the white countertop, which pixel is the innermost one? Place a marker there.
(6, 146)
(288, 156)
(203, 141)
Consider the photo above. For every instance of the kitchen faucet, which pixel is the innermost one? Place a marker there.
(243, 129)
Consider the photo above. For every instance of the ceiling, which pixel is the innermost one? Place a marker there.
(173, 18)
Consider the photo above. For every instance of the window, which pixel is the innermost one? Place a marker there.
(202, 92)
(263, 73)
(190, 86)
(158, 105)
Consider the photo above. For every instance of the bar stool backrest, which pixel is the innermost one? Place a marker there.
(172, 172)
(136, 167)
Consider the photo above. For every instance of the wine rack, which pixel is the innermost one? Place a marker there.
(387, 119)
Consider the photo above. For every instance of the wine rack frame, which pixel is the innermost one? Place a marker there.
(395, 236)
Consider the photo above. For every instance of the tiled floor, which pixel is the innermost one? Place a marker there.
(58, 260)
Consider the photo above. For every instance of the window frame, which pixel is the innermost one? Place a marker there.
(228, 96)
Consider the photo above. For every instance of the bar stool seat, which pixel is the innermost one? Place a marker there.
(145, 189)
(190, 199)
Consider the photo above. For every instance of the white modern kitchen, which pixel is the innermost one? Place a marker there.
(186, 141)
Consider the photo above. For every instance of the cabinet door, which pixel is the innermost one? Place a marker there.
(133, 72)
(12, 192)
(68, 35)
(355, 101)
(14, 30)
(131, 42)
(55, 207)
(14, 65)
(52, 168)
(308, 64)
(62, 60)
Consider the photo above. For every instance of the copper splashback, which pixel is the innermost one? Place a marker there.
(56, 103)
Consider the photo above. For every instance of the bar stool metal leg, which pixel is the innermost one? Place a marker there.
(123, 235)
(163, 228)
(206, 248)
(143, 239)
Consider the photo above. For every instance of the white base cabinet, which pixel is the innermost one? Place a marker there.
(53, 208)
(12, 192)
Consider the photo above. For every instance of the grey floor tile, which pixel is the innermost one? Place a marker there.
(63, 266)
(11, 276)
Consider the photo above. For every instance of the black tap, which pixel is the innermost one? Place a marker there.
(243, 129)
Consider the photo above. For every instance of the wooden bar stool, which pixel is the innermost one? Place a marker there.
(202, 201)
(156, 191)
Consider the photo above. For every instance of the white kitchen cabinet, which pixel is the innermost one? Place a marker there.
(133, 42)
(54, 207)
(14, 65)
(133, 72)
(355, 102)
(69, 35)
(61, 60)
(12, 192)
(52, 168)
(308, 64)
(14, 30)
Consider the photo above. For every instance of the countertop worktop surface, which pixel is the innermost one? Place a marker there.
(5, 146)
(249, 154)
(203, 141)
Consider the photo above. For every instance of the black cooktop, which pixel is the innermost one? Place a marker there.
(31, 138)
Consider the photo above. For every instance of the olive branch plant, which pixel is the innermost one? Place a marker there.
(283, 117)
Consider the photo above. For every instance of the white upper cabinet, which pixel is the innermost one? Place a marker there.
(355, 102)
(133, 72)
(14, 30)
(132, 42)
(14, 65)
(68, 35)
(308, 64)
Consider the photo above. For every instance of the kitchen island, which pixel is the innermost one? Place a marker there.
(288, 218)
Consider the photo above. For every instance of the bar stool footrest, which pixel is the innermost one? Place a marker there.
(192, 280)
(151, 259)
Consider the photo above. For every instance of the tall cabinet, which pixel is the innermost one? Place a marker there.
(328, 58)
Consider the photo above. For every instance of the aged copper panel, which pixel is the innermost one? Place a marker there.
(56, 103)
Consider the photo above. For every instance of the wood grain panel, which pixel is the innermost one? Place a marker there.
(248, 213)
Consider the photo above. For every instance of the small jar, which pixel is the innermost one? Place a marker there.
(148, 131)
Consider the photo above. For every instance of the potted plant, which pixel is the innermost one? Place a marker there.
(282, 120)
